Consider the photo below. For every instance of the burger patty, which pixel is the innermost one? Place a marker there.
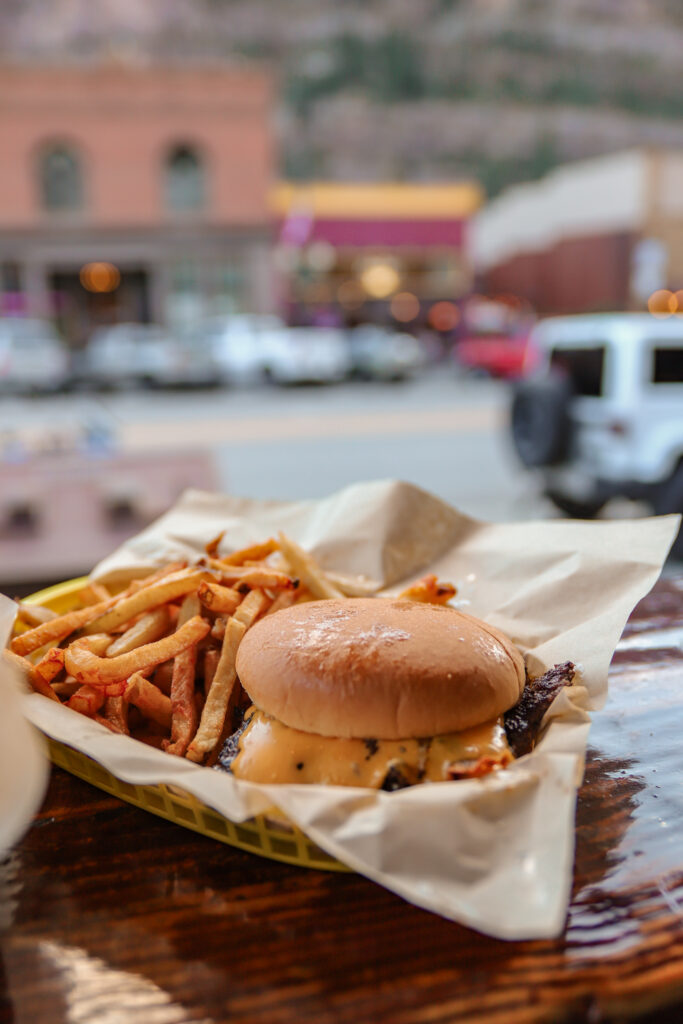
(521, 726)
(523, 721)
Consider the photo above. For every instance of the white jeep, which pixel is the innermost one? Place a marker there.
(602, 417)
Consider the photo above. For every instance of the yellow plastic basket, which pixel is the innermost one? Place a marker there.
(274, 837)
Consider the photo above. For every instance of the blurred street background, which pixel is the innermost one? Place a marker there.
(273, 247)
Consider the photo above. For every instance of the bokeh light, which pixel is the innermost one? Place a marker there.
(405, 307)
(100, 277)
(661, 303)
(380, 280)
(443, 316)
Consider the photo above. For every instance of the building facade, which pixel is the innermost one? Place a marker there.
(597, 235)
(373, 251)
(134, 193)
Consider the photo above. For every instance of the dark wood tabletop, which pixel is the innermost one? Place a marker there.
(109, 915)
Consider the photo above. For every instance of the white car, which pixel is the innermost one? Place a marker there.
(381, 354)
(603, 415)
(241, 346)
(32, 357)
(132, 353)
(308, 355)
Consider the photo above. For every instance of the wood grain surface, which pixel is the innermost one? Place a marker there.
(109, 915)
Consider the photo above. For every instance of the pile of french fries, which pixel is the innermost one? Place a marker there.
(157, 660)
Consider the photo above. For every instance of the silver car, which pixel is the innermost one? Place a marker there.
(134, 354)
(308, 355)
(32, 357)
(241, 345)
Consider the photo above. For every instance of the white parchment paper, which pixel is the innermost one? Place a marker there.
(493, 853)
(23, 759)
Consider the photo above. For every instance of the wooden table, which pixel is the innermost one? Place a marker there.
(112, 916)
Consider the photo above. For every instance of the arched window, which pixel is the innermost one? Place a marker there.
(184, 179)
(61, 179)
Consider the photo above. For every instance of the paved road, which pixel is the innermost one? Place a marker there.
(441, 433)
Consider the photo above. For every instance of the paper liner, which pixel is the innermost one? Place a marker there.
(23, 758)
(494, 853)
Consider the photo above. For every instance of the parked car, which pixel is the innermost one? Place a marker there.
(508, 356)
(308, 355)
(241, 345)
(132, 353)
(381, 354)
(603, 415)
(32, 357)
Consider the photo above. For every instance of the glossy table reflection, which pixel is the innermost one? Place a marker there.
(111, 915)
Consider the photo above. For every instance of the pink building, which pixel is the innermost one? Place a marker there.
(163, 172)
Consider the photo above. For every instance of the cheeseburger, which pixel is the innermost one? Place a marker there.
(381, 693)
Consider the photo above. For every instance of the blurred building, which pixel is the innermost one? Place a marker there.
(134, 192)
(372, 251)
(594, 235)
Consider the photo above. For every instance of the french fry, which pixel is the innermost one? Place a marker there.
(153, 577)
(33, 614)
(56, 630)
(252, 553)
(51, 664)
(253, 575)
(212, 547)
(211, 656)
(152, 736)
(66, 687)
(145, 696)
(168, 589)
(352, 586)
(429, 590)
(307, 569)
(223, 600)
(94, 593)
(183, 707)
(112, 723)
(97, 643)
(218, 629)
(119, 641)
(273, 579)
(150, 627)
(212, 756)
(218, 697)
(31, 674)
(163, 677)
(283, 600)
(87, 700)
(88, 667)
(254, 604)
(116, 713)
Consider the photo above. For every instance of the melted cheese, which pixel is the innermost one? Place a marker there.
(269, 751)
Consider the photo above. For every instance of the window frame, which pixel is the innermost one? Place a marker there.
(47, 151)
(560, 348)
(170, 156)
(655, 346)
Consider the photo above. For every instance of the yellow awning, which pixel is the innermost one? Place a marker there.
(388, 200)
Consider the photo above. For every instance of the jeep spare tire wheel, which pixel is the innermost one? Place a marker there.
(540, 421)
(575, 509)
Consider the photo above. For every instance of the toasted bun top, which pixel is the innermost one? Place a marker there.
(375, 667)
